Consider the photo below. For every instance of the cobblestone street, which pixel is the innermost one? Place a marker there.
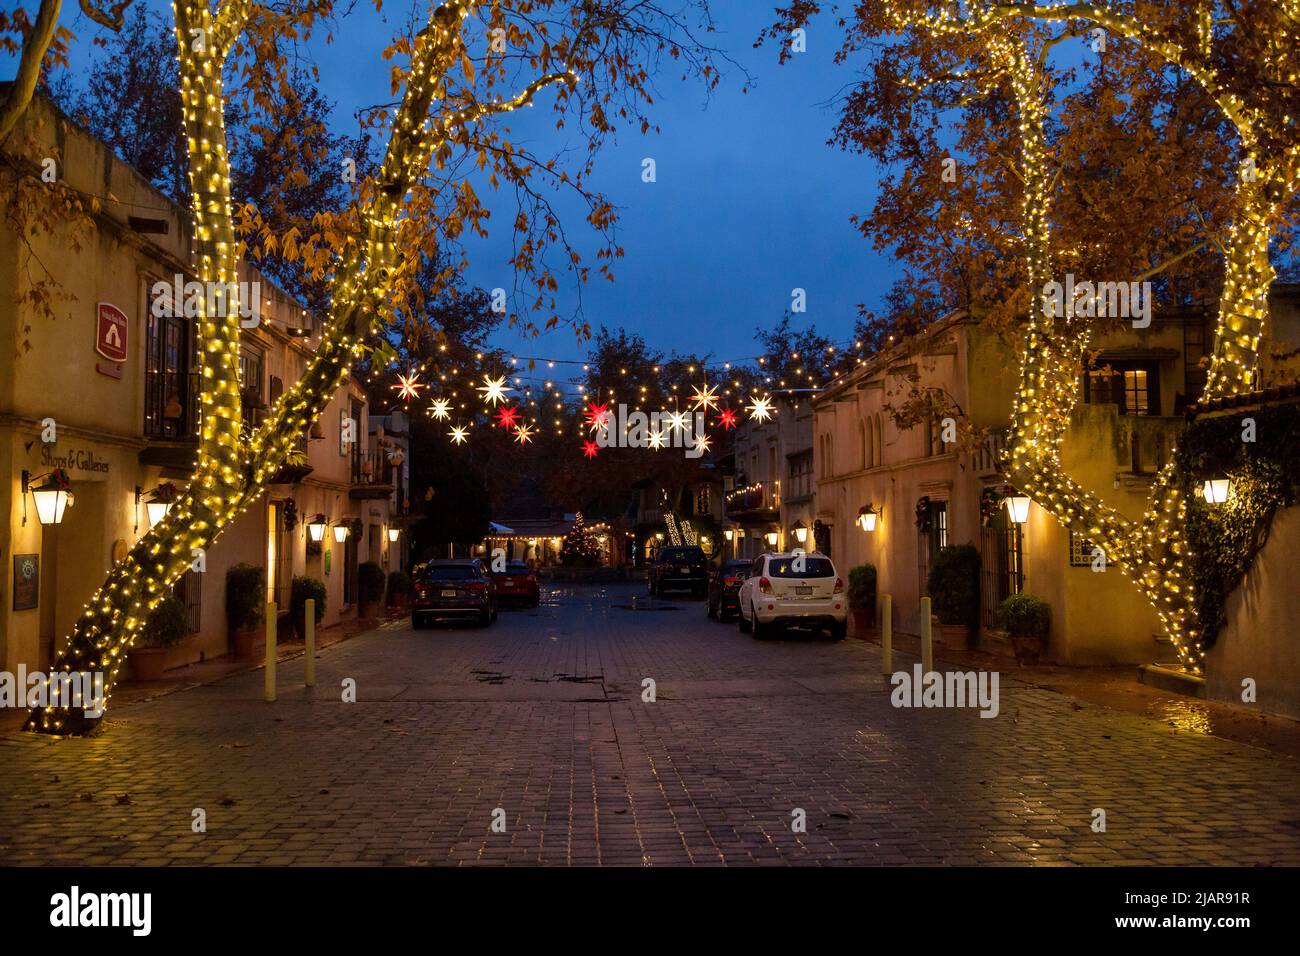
(542, 716)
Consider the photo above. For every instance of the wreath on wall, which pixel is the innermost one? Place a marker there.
(991, 503)
(923, 514)
(290, 515)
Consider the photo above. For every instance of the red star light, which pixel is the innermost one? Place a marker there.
(590, 448)
(408, 387)
(727, 418)
(597, 415)
(507, 417)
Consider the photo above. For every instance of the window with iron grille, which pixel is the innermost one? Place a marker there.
(189, 591)
(169, 409)
(1001, 567)
(1081, 551)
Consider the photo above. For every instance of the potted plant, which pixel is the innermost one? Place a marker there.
(245, 600)
(954, 588)
(862, 598)
(370, 588)
(163, 628)
(399, 589)
(1027, 620)
(305, 588)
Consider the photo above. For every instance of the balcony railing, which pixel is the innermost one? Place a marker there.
(372, 469)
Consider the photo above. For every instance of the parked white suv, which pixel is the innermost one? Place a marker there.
(800, 588)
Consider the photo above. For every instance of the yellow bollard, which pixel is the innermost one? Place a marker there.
(309, 670)
(887, 634)
(927, 646)
(269, 670)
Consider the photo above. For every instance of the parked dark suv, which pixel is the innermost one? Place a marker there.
(679, 567)
(724, 588)
(454, 588)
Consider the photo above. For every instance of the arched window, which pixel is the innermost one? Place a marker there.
(880, 440)
(863, 453)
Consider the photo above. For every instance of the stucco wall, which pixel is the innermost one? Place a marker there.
(1261, 639)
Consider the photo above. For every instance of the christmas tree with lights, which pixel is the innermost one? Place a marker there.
(581, 546)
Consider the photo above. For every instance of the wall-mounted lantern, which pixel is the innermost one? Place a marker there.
(1215, 490)
(316, 528)
(800, 532)
(728, 533)
(159, 503)
(868, 515)
(341, 532)
(51, 498)
(393, 534)
(771, 539)
(1017, 508)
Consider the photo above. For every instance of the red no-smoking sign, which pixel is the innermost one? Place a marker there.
(110, 332)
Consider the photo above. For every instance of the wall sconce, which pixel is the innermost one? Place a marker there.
(728, 533)
(160, 502)
(800, 532)
(316, 528)
(393, 534)
(1215, 490)
(341, 532)
(868, 516)
(771, 539)
(1017, 508)
(51, 498)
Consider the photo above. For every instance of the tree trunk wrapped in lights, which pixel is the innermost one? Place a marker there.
(230, 475)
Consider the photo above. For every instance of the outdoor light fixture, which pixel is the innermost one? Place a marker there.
(1215, 490)
(160, 502)
(51, 498)
(316, 528)
(867, 517)
(728, 534)
(341, 532)
(1017, 508)
(801, 532)
(393, 534)
(771, 539)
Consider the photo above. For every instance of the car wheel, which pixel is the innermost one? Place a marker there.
(484, 618)
(757, 627)
(744, 625)
(839, 630)
(708, 608)
(417, 622)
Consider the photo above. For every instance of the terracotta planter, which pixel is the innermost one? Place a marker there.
(246, 643)
(147, 663)
(1029, 649)
(956, 636)
(368, 609)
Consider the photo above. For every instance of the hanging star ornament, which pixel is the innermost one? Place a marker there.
(677, 421)
(458, 433)
(440, 409)
(508, 417)
(657, 439)
(727, 418)
(408, 386)
(524, 434)
(761, 410)
(590, 448)
(705, 398)
(597, 415)
(494, 389)
(702, 443)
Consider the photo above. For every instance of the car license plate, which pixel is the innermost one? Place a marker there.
(448, 593)
(683, 570)
(803, 590)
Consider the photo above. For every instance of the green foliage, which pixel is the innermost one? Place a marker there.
(399, 583)
(305, 588)
(954, 584)
(1023, 615)
(862, 586)
(166, 624)
(245, 596)
(370, 582)
(1224, 539)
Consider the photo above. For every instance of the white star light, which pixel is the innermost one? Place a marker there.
(705, 398)
(677, 421)
(494, 389)
(524, 434)
(459, 433)
(761, 410)
(657, 439)
(702, 443)
(440, 407)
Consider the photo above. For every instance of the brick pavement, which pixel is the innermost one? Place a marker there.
(542, 716)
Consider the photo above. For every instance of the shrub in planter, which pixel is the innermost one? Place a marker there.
(245, 605)
(862, 596)
(954, 585)
(1027, 620)
(399, 588)
(303, 589)
(164, 627)
(370, 588)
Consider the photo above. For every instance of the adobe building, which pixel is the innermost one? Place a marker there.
(107, 392)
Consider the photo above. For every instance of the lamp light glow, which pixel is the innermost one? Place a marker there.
(1215, 490)
(1017, 508)
(316, 528)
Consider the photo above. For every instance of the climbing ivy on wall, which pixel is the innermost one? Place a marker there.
(1225, 538)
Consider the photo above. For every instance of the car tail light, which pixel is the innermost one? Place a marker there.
(422, 590)
(839, 585)
(475, 586)
(728, 581)
(765, 585)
